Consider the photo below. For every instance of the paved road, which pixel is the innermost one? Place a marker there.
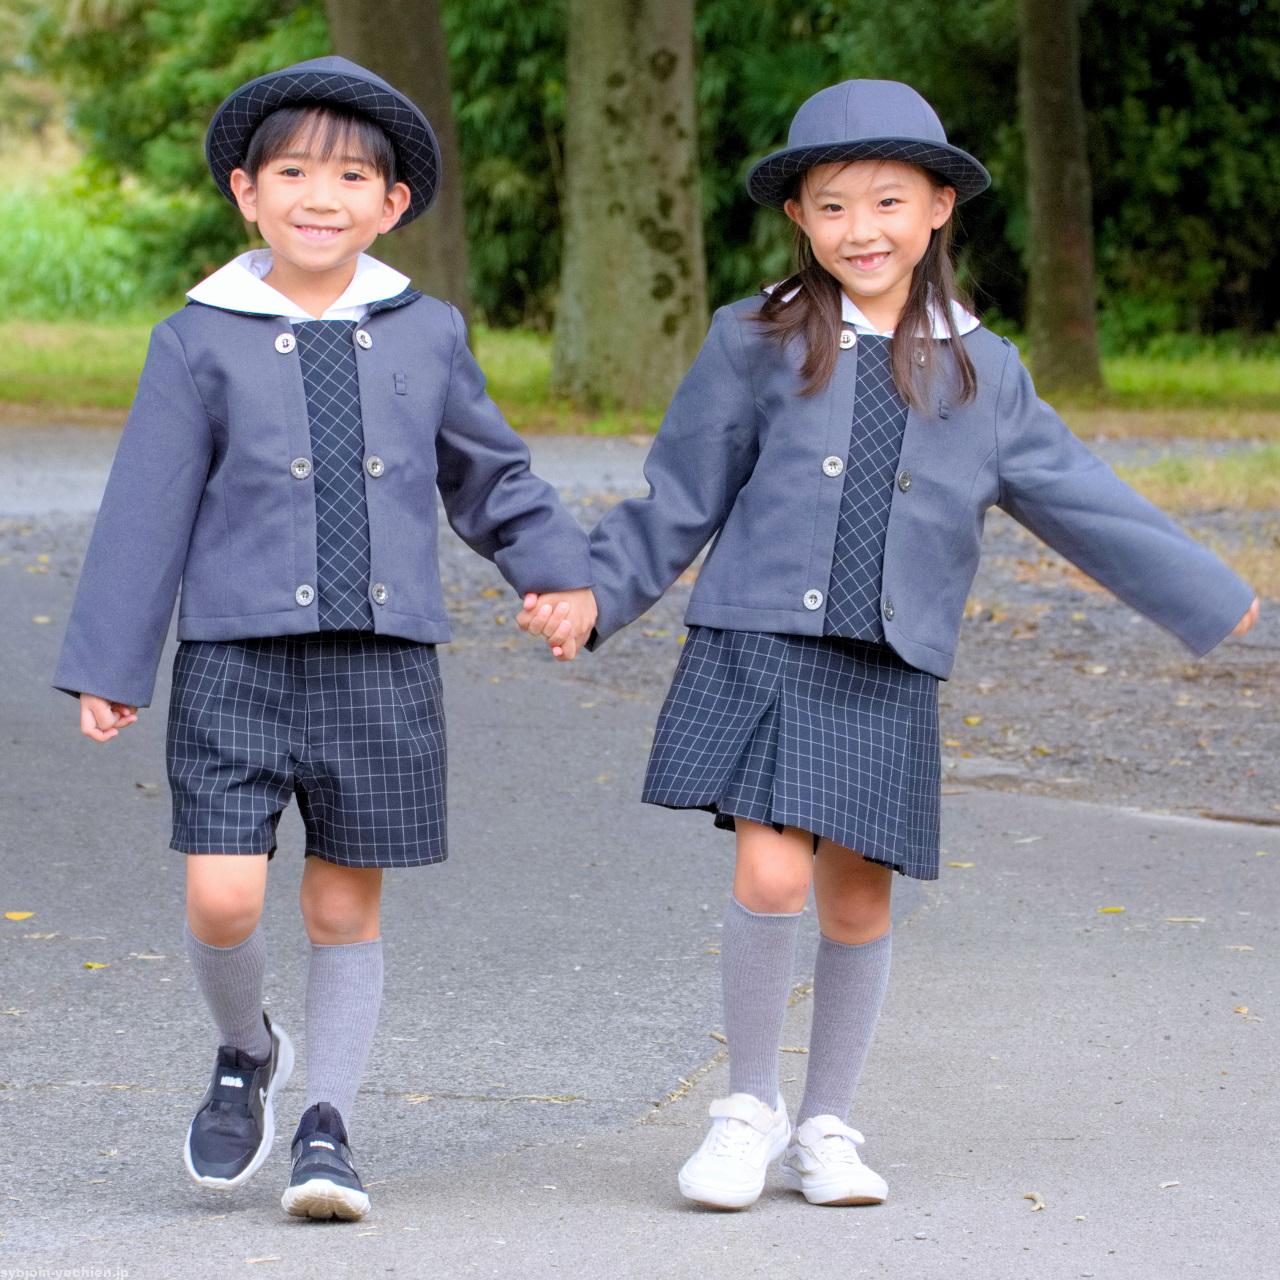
(545, 1060)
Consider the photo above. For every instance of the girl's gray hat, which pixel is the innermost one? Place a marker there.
(334, 82)
(865, 120)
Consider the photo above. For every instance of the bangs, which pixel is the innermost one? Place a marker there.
(321, 132)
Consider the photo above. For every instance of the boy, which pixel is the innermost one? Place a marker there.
(289, 427)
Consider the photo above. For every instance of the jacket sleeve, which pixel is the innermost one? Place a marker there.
(1066, 495)
(703, 454)
(495, 504)
(135, 559)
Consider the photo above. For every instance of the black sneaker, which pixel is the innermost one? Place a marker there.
(324, 1182)
(232, 1133)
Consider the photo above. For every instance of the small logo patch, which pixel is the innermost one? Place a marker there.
(235, 1082)
(320, 1142)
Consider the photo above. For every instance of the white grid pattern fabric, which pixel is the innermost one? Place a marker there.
(326, 350)
(875, 447)
(836, 737)
(353, 724)
(340, 83)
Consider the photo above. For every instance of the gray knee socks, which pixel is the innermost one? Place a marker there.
(757, 957)
(849, 983)
(344, 994)
(230, 979)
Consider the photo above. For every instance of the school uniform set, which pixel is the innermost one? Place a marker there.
(282, 470)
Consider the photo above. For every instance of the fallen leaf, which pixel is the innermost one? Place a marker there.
(1028, 839)
(94, 964)
(1239, 946)
(1037, 1200)
(963, 866)
(42, 558)
(41, 619)
(973, 720)
(1164, 1186)
(951, 742)
(602, 777)
(656, 633)
(491, 593)
(1110, 911)
(1265, 853)
(1184, 919)
(40, 937)
(1241, 1008)
(18, 915)
(719, 1036)
(791, 1048)
(415, 1098)
(1042, 751)
(13, 1012)
(1078, 616)
(1093, 669)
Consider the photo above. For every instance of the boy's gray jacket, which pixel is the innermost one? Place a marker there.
(212, 485)
(743, 456)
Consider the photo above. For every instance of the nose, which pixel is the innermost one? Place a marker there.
(862, 227)
(321, 194)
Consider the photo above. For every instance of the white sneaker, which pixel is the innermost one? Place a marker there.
(727, 1171)
(823, 1162)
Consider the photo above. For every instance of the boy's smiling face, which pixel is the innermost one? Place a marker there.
(318, 213)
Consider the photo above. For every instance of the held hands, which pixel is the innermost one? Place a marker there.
(563, 618)
(102, 720)
(1250, 617)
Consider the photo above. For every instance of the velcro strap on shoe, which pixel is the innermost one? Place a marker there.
(741, 1106)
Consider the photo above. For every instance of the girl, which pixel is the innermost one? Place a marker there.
(280, 459)
(842, 437)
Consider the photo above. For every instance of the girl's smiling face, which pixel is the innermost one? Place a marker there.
(318, 211)
(869, 223)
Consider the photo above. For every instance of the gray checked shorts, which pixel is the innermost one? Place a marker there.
(351, 723)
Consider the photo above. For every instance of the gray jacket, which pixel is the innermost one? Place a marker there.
(204, 490)
(742, 456)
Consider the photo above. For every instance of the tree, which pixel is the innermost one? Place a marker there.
(405, 44)
(1061, 289)
(633, 284)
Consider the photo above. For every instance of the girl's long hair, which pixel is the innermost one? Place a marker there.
(807, 306)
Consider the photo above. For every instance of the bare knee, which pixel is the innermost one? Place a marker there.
(222, 912)
(341, 905)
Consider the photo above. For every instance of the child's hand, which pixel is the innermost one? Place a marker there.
(1250, 617)
(102, 720)
(563, 618)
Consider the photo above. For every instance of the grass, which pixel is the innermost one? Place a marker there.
(83, 370)
(1245, 481)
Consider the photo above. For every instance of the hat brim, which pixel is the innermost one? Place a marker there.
(772, 180)
(417, 151)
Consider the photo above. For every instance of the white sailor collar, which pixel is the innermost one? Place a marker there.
(241, 286)
(850, 314)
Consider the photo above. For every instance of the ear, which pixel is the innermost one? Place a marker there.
(246, 194)
(396, 202)
(944, 202)
(795, 211)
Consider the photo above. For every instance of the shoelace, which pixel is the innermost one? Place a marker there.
(837, 1146)
(733, 1137)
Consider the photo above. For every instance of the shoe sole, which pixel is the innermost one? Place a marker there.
(284, 1069)
(831, 1194)
(731, 1201)
(318, 1198)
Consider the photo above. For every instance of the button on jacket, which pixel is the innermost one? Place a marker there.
(741, 456)
(211, 487)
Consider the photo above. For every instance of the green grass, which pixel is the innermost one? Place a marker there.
(76, 368)
(1246, 481)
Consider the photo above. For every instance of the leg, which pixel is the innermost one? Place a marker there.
(757, 953)
(341, 908)
(850, 976)
(225, 946)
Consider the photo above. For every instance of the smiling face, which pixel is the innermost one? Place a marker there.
(319, 197)
(869, 223)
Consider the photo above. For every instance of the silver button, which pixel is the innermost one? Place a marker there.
(847, 339)
(379, 593)
(364, 339)
(285, 343)
(888, 609)
(301, 468)
(374, 465)
(904, 481)
(813, 598)
(305, 594)
(832, 466)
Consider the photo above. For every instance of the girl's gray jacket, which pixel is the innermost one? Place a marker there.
(212, 485)
(743, 456)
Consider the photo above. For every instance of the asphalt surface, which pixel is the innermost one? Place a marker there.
(545, 1055)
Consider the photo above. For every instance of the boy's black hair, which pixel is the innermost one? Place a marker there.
(326, 129)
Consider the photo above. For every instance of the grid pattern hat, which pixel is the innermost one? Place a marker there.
(865, 120)
(333, 82)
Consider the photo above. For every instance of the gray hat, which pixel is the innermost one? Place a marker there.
(337, 82)
(865, 120)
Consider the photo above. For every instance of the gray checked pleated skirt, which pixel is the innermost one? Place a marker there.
(351, 723)
(836, 737)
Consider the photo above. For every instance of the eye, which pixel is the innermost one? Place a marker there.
(291, 171)
(352, 176)
(833, 208)
(889, 200)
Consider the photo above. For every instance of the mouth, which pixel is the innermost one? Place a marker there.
(868, 261)
(317, 232)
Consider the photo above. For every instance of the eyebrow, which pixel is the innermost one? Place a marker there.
(892, 185)
(307, 155)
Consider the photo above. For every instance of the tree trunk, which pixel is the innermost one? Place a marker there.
(632, 308)
(404, 43)
(1062, 293)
